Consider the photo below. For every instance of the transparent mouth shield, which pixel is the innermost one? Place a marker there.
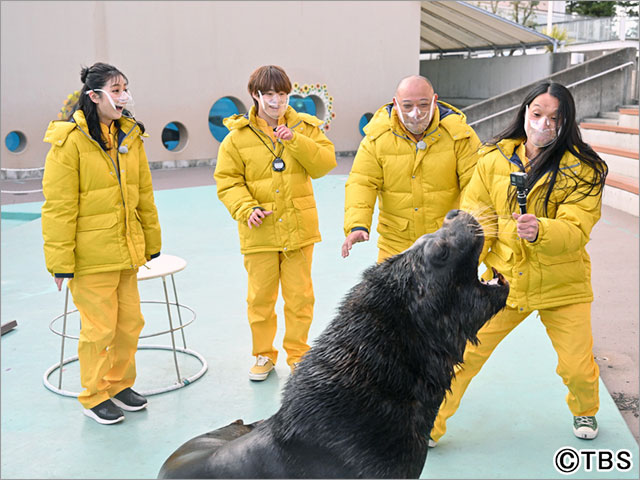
(124, 101)
(540, 131)
(274, 101)
(416, 121)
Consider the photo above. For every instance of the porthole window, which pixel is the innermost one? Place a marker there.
(15, 141)
(364, 120)
(303, 104)
(223, 108)
(174, 136)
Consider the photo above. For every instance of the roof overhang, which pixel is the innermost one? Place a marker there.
(460, 27)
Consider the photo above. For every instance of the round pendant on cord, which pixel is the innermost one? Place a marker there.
(421, 145)
(278, 164)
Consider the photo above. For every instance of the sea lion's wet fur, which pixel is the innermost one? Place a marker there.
(364, 398)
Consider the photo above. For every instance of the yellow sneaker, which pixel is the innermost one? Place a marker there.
(261, 369)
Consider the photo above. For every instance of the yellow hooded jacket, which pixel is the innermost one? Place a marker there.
(246, 180)
(416, 188)
(99, 214)
(553, 270)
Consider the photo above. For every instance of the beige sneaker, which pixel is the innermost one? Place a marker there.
(261, 369)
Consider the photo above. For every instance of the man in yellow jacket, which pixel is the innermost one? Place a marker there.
(416, 158)
(263, 174)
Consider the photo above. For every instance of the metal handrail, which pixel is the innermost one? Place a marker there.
(574, 84)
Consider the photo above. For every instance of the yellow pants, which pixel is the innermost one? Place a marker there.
(568, 327)
(267, 270)
(111, 321)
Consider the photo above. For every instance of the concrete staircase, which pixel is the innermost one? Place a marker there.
(614, 136)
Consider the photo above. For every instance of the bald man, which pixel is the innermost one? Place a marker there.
(417, 156)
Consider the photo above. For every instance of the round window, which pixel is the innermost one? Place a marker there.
(364, 120)
(15, 141)
(221, 109)
(174, 136)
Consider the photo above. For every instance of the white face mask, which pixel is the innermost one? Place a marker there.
(415, 121)
(540, 132)
(125, 100)
(277, 107)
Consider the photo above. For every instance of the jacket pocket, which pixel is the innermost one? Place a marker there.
(307, 217)
(563, 271)
(394, 228)
(97, 241)
(499, 257)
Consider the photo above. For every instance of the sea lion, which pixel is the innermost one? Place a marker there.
(363, 400)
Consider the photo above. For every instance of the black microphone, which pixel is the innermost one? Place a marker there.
(519, 180)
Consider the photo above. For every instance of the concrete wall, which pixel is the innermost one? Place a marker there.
(180, 57)
(464, 81)
(602, 94)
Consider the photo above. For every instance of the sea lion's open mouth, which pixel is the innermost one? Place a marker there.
(498, 279)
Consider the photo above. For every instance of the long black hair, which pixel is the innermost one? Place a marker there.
(93, 78)
(587, 182)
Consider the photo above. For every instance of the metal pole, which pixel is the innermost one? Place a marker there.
(64, 333)
(173, 340)
(175, 294)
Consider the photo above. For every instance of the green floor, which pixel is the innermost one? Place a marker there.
(511, 422)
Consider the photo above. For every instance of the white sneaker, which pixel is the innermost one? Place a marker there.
(585, 427)
(261, 369)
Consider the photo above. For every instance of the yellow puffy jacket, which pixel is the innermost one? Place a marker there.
(555, 269)
(416, 188)
(246, 180)
(96, 217)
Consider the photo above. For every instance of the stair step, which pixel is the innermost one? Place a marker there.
(621, 200)
(611, 115)
(602, 120)
(620, 152)
(629, 111)
(609, 128)
(622, 182)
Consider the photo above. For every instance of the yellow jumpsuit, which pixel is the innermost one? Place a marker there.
(279, 252)
(99, 225)
(551, 275)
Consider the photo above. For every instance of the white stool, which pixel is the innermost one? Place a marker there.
(160, 267)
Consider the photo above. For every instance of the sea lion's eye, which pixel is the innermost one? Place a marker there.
(438, 251)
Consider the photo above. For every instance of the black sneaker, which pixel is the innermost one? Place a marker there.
(105, 413)
(129, 400)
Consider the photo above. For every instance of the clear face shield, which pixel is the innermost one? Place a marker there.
(122, 104)
(274, 104)
(541, 131)
(417, 119)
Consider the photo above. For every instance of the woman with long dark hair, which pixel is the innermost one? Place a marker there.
(541, 252)
(100, 224)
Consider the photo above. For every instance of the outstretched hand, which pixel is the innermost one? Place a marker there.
(356, 236)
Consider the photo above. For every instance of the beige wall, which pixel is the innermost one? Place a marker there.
(180, 57)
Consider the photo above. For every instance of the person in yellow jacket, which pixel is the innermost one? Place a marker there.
(100, 224)
(263, 175)
(418, 154)
(542, 252)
